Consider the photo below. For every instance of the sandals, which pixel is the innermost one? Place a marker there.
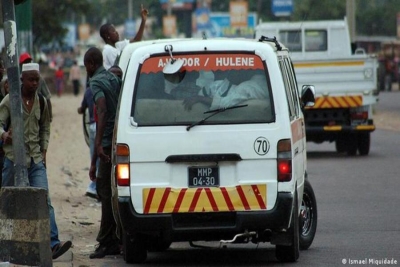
(61, 248)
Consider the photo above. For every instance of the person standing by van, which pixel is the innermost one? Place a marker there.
(114, 46)
(88, 103)
(105, 87)
(36, 136)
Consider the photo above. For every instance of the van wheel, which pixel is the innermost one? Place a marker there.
(308, 217)
(158, 245)
(364, 142)
(291, 253)
(134, 248)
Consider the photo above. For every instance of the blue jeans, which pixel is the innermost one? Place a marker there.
(92, 137)
(37, 176)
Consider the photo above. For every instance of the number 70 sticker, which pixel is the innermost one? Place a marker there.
(261, 146)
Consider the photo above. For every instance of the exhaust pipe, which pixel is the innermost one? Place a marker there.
(246, 234)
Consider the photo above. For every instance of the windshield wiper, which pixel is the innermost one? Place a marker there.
(214, 112)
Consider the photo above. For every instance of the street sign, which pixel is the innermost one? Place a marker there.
(177, 4)
(130, 28)
(281, 8)
(220, 26)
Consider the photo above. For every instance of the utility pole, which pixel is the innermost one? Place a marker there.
(11, 63)
(130, 7)
(351, 20)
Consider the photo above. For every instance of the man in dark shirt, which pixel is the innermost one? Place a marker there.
(105, 87)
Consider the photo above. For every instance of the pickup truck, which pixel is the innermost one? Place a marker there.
(345, 81)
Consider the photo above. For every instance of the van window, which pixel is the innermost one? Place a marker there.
(293, 85)
(288, 90)
(205, 83)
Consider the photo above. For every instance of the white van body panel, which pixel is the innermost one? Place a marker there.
(150, 146)
(210, 149)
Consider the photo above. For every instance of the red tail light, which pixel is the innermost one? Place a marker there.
(284, 161)
(122, 169)
(284, 170)
(122, 174)
(359, 115)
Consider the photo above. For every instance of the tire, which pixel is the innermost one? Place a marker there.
(352, 145)
(158, 245)
(340, 144)
(364, 143)
(134, 248)
(291, 253)
(308, 217)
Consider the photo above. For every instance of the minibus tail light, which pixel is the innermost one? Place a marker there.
(284, 161)
(122, 169)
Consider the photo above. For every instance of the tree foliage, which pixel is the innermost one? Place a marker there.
(48, 18)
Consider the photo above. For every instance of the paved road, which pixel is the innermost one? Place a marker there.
(358, 199)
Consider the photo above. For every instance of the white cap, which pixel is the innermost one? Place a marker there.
(30, 67)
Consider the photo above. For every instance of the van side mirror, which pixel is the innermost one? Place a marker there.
(307, 96)
(174, 64)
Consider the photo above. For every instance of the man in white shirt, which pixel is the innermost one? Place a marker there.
(222, 93)
(114, 46)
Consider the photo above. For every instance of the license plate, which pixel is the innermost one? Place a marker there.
(203, 176)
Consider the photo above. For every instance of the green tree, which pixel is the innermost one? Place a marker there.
(377, 17)
(48, 18)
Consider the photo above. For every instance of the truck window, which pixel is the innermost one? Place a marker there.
(205, 82)
(315, 40)
(291, 39)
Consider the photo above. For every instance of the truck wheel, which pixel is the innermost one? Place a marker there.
(134, 248)
(364, 142)
(340, 144)
(352, 145)
(291, 253)
(308, 217)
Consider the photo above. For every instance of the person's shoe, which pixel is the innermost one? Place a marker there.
(60, 249)
(90, 192)
(101, 251)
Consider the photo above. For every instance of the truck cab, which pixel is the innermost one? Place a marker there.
(345, 80)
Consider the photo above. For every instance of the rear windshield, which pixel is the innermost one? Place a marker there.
(204, 85)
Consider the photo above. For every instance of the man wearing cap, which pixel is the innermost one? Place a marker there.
(36, 136)
(43, 89)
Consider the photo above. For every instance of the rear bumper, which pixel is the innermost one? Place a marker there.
(205, 226)
(340, 128)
